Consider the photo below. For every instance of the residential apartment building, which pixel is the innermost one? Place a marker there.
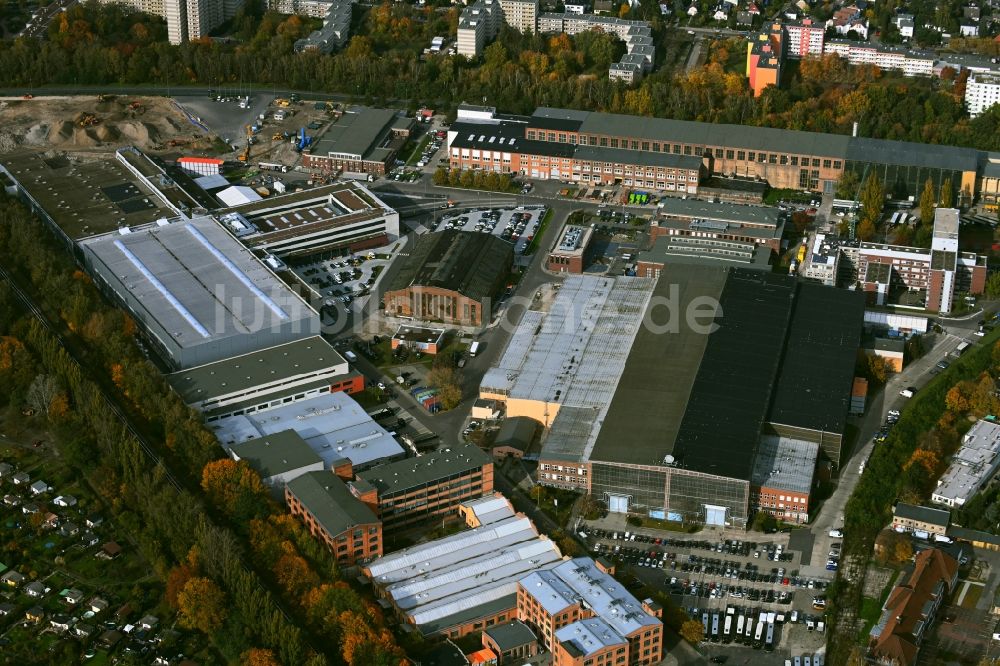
(803, 38)
(332, 514)
(336, 15)
(640, 53)
(912, 518)
(478, 24)
(521, 15)
(190, 19)
(981, 92)
(910, 63)
(560, 603)
(413, 490)
(911, 609)
(765, 53)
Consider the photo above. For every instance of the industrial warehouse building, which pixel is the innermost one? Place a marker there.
(634, 151)
(345, 524)
(197, 293)
(336, 427)
(503, 570)
(972, 466)
(414, 490)
(268, 378)
(464, 582)
(451, 277)
(363, 140)
(303, 224)
(692, 407)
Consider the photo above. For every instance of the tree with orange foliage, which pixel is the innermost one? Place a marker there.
(177, 578)
(235, 488)
(201, 605)
(259, 657)
(924, 458)
(362, 644)
(956, 401)
(293, 573)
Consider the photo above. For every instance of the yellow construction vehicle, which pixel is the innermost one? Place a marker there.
(283, 103)
(245, 155)
(88, 119)
(277, 136)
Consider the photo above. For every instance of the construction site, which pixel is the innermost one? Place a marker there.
(83, 123)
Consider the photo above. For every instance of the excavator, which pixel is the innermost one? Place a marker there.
(245, 155)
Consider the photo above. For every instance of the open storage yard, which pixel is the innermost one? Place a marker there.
(84, 122)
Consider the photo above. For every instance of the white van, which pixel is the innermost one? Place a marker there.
(474, 348)
(940, 538)
(351, 356)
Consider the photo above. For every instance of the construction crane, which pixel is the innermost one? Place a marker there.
(245, 156)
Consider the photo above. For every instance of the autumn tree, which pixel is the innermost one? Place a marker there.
(201, 605)
(927, 203)
(947, 194)
(866, 230)
(235, 488)
(259, 657)
(993, 285)
(872, 199)
(923, 458)
(177, 579)
(847, 185)
(903, 551)
(692, 631)
(956, 401)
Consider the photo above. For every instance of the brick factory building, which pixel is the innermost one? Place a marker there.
(362, 140)
(594, 376)
(347, 526)
(451, 277)
(569, 255)
(632, 151)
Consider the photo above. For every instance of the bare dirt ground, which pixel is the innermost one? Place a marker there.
(149, 123)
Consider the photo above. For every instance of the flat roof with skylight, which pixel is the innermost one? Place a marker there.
(439, 583)
(333, 424)
(200, 294)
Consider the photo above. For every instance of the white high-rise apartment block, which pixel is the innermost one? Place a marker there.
(982, 91)
(521, 15)
(479, 23)
(186, 19)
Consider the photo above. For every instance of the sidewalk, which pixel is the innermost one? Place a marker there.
(616, 522)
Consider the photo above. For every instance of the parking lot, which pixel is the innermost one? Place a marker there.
(341, 281)
(709, 577)
(516, 225)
